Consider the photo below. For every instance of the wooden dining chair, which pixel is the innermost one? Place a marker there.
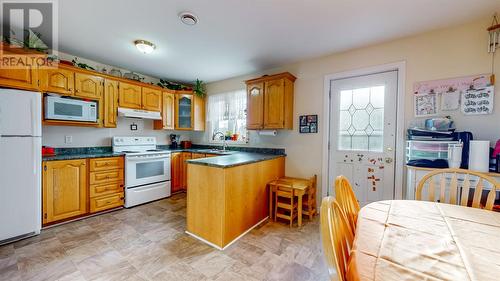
(458, 194)
(337, 237)
(347, 200)
(309, 201)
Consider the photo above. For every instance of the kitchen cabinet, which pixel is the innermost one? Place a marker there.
(57, 80)
(25, 77)
(270, 102)
(255, 106)
(184, 112)
(175, 171)
(88, 86)
(185, 156)
(129, 95)
(167, 112)
(151, 99)
(106, 182)
(65, 190)
(110, 103)
(199, 114)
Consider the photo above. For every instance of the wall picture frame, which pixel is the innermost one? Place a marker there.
(308, 124)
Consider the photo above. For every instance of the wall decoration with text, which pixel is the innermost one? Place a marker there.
(473, 94)
(478, 101)
(308, 124)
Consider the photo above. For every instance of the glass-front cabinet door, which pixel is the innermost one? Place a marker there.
(184, 112)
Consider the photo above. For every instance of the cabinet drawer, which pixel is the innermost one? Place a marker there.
(102, 203)
(106, 176)
(104, 164)
(106, 189)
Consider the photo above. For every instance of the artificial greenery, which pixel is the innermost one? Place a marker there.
(199, 88)
(81, 65)
(171, 85)
(34, 41)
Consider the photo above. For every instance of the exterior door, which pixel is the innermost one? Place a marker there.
(363, 134)
(255, 106)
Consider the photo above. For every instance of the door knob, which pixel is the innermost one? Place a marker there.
(388, 160)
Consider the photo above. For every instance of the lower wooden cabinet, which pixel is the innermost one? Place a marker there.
(103, 203)
(106, 183)
(74, 188)
(179, 170)
(65, 190)
(175, 171)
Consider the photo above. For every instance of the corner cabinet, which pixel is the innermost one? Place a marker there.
(270, 102)
(64, 189)
(184, 109)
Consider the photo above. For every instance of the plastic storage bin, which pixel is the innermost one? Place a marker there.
(430, 150)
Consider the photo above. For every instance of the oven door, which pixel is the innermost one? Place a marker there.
(146, 169)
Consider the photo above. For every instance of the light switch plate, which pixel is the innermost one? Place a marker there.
(68, 139)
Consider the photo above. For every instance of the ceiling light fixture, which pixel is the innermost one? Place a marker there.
(144, 46)
(188, 18)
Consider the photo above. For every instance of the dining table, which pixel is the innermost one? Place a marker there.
(421, 240)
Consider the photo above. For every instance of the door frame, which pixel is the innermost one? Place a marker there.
(400, 67)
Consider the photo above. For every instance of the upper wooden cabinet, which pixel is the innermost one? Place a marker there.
(57, 80)
(88, 86)
(255, 106)
(184, 109)
(130, 96)
(18, 75)
(270, 102)
(151, 99)
(65, 189)
(199, 114)
(110, 103)
(167, 112)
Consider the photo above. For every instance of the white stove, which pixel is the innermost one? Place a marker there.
(147, 169)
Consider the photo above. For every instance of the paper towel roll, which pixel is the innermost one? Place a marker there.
(268, 133)
(479, 156)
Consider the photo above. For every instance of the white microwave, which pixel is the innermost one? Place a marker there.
(57, 108)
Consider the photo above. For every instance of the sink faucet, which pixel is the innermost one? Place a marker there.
(224, 143)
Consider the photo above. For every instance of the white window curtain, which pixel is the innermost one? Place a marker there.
(227, 114)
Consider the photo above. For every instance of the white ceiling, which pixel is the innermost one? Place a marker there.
(235, 37)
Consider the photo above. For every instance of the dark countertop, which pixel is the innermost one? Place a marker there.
(81, 156)
(234, 159)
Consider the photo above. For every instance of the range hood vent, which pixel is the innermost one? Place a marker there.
(137, 113)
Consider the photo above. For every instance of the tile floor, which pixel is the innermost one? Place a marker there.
(148, 243)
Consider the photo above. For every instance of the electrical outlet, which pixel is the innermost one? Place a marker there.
(68, 139)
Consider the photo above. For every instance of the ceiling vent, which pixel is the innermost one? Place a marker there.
(188, 18)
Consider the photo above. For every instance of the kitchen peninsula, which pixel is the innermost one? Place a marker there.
(227, 195)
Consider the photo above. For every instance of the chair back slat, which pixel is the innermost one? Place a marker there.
(476, 201)
(465, 191)
(456, 190)
(337, 237)
(347, 200)
(442, 189)
(453, 189)
(432, 190)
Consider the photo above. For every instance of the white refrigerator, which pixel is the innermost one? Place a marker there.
(20, 164)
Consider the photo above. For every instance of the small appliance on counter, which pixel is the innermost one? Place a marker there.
(186, 144)
(174, 141)
(48, 151)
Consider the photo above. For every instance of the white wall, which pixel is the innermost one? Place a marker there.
(440, 54)
(83, 137)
